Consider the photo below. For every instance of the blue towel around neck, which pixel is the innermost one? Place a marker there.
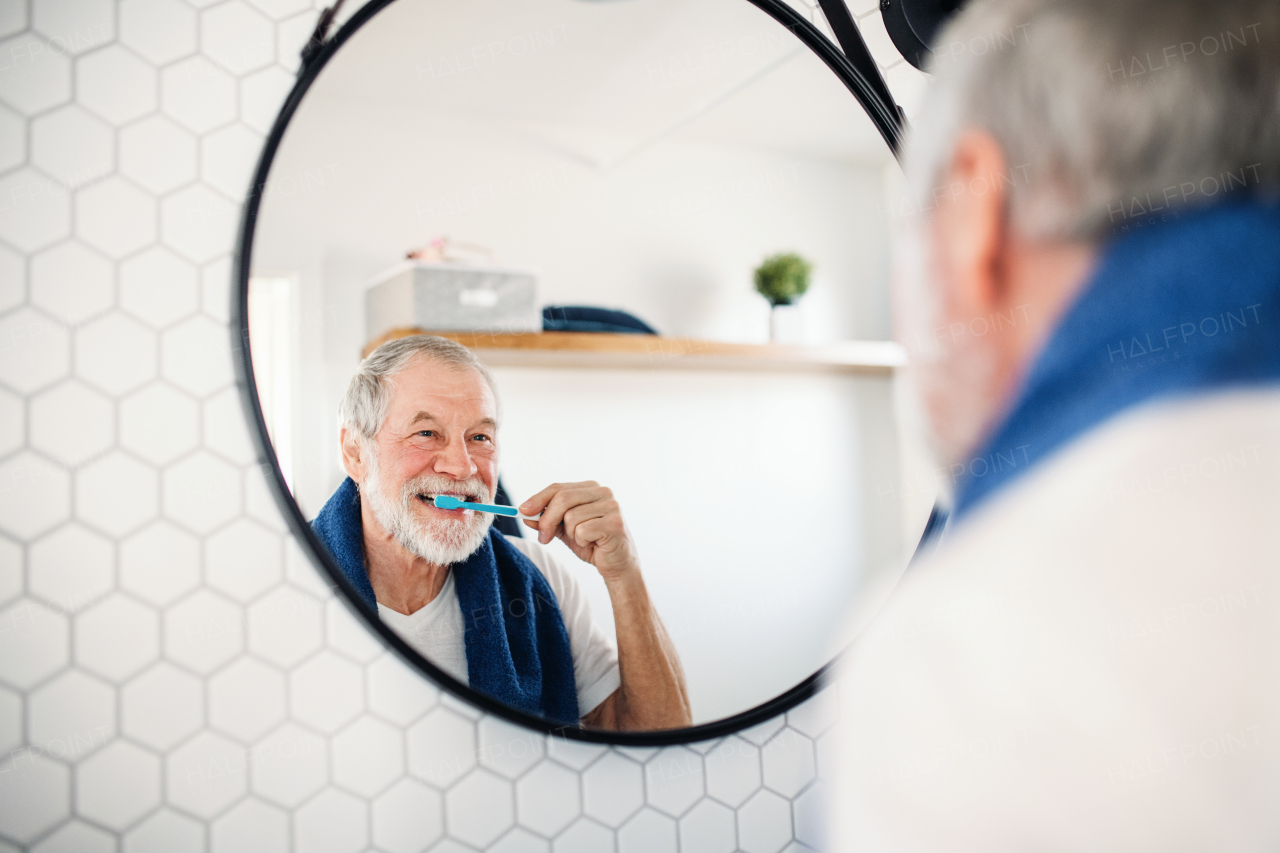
(1178, 308)
(516, 643)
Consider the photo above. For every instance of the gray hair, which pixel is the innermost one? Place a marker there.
(364, 407)
(1106, 109)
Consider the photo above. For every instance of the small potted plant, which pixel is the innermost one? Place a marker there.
(782, 279)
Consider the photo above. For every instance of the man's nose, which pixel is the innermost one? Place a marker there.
(455, 460)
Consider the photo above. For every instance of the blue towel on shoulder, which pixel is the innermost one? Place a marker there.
(1178, 308)
(517, 646)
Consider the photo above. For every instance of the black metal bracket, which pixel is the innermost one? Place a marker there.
(855, 50)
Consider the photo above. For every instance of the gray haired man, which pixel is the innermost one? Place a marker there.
(1089, 285)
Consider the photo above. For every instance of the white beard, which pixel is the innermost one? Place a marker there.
(441, 542)
(950, 378)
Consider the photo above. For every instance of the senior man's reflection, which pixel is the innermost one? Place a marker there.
(420, 419)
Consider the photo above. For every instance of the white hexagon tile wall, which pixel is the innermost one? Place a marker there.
(174, 674)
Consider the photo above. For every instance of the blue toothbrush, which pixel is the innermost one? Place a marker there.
(450, 502)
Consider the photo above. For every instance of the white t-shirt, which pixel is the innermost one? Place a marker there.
(436, 630)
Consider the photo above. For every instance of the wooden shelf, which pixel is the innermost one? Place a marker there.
(594, 350)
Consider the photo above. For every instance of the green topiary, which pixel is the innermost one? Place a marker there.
(783, 278)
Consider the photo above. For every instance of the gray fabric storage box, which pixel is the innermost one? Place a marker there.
(452, 298)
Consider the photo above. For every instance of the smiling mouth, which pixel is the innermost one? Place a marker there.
(430, 500)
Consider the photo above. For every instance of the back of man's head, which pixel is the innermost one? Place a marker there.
(1105, 108)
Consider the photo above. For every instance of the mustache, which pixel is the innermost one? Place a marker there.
(473, 488)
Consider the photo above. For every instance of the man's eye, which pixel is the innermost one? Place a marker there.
(426, 433)
(482, 438)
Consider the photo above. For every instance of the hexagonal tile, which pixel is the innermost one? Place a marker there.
(116, 217)
(333, 822)
(13, 284)
(13, 136)
(76, 837)
(237, 37)
(197, 94)
(764, 823)
(709, 827)
(246, 699)
(159, 30)
(507, 749)
(38, 796)
(648, 832)
(289, 765)
(733, 771)
(761, 733)
(398, 693)
(215, 289)
(117, 493)
(36, 78)
(12, 423)
(243, 560)
(202, 492)
(158, 287)
(195, 355)
(199, 223)
(71, 567)
(584, 836)
(36, 350)
(228, 157)
(73, 26)
(116, 353)
(72, 282)
(441, 747)
(225, 428)
(811, 816)
(789, 763)
(73, 146)
(407, 818)
(115, 84)
(10, 571)
(367, 756)
(250, 825)
(281, 8)
(480, 808)
(165, 832)
(520, 841)
(348, 634)
(612, 789)
(158, 154)
(100, 796)
(36, 211)
(13, 18)
(159, 423)
(205, 775)
(70, 714)
(674, 780)
(326, 691)
(34, 495)
(574, 753)
(261, 96)
(203, 632)
(547, 799)
(162, 706)
(159, 563)
(71, 422)
(10, 721)
(117, 637)
(291, 35)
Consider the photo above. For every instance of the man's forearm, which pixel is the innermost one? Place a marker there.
(653, 694)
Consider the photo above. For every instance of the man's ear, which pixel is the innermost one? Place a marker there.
(353, 455)
(970, 226)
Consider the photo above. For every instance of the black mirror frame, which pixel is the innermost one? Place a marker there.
(870, 91)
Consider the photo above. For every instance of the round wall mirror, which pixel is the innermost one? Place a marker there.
(587, 199)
